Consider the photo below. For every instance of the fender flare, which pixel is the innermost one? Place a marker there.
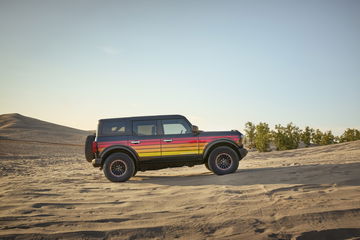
(107, 150)
(206, 151)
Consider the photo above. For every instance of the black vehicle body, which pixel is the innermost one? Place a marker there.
(156, 142)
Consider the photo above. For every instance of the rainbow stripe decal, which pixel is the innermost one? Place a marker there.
(148, 148)
(178, 146)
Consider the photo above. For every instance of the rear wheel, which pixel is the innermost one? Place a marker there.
(89, 155)
(223, 160)
(119, 167)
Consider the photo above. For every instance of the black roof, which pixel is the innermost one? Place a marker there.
(153, 117)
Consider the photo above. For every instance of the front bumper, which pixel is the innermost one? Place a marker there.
(243, 152)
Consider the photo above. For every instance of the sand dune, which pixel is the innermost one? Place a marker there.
(49, 191)
(18, 127)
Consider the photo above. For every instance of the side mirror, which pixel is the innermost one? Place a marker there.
(195, 129)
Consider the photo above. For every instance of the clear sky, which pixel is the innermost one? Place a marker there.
(220, 63)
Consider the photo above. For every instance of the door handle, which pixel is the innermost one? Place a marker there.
(135, 142)
(167, 140)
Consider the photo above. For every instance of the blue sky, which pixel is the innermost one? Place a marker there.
(220, 63)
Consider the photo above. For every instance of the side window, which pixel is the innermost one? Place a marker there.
(176, 126)
(144, 128)
(110, 128)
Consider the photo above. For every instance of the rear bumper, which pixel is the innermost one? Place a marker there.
(243, 152)
(96, 162)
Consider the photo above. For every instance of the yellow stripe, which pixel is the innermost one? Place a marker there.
(179, 152)
(149, 154)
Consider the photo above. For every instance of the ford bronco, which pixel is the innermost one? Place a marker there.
(123, 146)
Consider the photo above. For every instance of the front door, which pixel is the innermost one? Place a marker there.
(178, 142)
(145, 140)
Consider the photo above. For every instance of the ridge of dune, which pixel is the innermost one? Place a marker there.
(18, 127)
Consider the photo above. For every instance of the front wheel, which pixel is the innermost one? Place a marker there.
(119, 167)
(223, 160)
(207, 166)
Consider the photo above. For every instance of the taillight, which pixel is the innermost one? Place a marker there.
(241, 140)
(94, 147)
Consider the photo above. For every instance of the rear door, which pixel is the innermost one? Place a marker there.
(145, 140)
(178, 142)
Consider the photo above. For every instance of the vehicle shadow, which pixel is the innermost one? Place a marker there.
(340, 174)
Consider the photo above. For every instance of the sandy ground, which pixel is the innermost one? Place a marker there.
(51, 192)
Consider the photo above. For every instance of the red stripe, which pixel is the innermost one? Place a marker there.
(179, 141)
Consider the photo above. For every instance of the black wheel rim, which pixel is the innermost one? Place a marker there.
(118, 168)
(223, 161)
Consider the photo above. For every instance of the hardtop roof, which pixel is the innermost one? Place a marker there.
(153, 117)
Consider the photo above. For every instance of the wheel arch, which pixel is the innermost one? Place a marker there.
(220, 143)
(122, 149)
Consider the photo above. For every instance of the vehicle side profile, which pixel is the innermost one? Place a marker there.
(123, 146)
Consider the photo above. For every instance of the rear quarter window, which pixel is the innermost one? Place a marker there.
(113, 128)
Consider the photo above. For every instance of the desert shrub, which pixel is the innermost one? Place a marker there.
(327, 138)
(250, 130)
(306, 135)
(323, 138)
(262, 137)
(350, 134)
(289, 136)
(316, 137)
(286, 137)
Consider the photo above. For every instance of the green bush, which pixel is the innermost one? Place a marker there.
(327, 138)
(262, 137)
(316, 137)
(306, 135)
(286, 137)
(350, 134)
(289, 137)
(250, 129)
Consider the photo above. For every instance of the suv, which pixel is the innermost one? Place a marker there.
(123, 146)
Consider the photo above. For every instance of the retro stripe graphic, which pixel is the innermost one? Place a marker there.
(103, 145)
(147, 148)
(178, 146)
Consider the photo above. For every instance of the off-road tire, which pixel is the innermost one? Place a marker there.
(89, 155)
(223, 160)
(119, 167)
(207, 166)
